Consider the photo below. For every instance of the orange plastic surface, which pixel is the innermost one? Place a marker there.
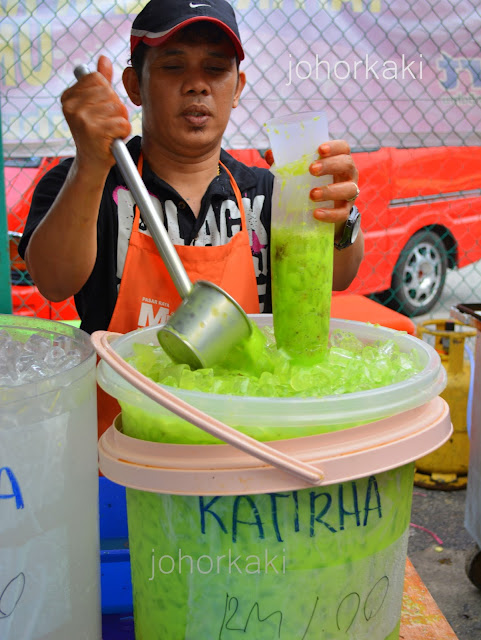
(362, 309)
(421, 618)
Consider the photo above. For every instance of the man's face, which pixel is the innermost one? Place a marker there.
(187, 93)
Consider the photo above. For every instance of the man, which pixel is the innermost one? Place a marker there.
(84, 235)
(76, 238)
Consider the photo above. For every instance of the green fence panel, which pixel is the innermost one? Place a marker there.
(5, 288)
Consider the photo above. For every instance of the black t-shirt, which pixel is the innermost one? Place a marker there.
(218, 220)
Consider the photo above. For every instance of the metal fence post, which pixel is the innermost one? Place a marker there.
(5, 288)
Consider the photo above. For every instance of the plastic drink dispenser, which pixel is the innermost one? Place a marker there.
(49, 542)
(301, 246)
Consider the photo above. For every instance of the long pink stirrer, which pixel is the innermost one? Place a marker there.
(306, 472)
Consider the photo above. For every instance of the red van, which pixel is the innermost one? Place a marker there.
(21, 178)
(421, 215)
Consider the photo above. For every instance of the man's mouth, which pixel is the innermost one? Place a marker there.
(196, 115)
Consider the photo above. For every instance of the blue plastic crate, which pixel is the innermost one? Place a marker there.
(115, 578)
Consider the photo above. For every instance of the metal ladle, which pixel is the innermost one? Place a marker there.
(208, 322)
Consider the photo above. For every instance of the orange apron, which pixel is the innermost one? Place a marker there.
(148, 296)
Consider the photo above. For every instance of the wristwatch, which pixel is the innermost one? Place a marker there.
(351, 229)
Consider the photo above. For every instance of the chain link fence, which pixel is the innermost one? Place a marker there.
(401, 81)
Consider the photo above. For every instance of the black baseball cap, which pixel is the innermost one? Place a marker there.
(160, 19)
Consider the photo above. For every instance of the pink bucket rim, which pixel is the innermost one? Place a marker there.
(341, 456)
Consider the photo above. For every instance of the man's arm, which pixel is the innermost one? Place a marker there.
(62, 250)
(346, 263)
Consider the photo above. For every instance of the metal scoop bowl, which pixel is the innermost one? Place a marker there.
(205, 327)
(209, 322)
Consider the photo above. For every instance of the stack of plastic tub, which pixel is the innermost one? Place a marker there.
(222, 542)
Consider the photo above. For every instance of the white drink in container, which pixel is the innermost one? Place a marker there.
(49, 539)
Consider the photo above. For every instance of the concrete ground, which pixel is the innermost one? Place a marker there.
(442, 566)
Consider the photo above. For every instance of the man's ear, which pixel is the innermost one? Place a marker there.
(241, 83)
(131, 84)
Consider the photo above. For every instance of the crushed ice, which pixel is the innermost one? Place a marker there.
(36, 359)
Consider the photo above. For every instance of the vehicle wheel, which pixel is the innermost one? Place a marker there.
(473, 566)
(419, 275)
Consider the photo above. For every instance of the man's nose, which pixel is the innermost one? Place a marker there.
(196, 83)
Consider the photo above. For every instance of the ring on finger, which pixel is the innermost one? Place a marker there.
(358, 191)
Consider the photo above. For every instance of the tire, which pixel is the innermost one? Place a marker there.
(473, 566)
(419, 275)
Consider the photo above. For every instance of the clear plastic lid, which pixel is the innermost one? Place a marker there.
(350, 408)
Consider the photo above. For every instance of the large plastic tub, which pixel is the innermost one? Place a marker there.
(274, 418)
(223, 545)
(49, 542)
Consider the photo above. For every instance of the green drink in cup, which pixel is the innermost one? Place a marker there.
(301, 261)
(301, 247)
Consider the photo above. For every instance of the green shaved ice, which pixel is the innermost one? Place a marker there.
(263, 371)
(253, 356)
(301, 259)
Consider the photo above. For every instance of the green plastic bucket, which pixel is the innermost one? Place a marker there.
(280, 565)
(223, 546)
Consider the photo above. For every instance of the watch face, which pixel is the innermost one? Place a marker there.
(356, 224)
(351, 229)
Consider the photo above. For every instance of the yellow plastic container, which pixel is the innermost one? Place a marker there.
(447, 467)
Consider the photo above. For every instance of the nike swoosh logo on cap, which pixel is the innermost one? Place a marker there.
(193, 5)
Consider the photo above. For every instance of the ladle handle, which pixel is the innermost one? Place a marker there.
(306, 472)
(149, 214)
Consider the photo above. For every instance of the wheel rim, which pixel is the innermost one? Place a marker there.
(422, 274)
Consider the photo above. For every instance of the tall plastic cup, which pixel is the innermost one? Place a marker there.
(301, 246)
(49, 539)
